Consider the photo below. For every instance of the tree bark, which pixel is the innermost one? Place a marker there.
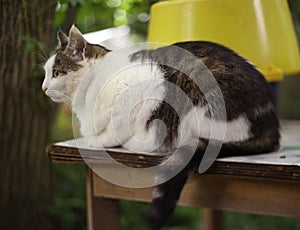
(25, 113)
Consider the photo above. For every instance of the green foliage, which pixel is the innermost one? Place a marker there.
(241, 221)
(68, 207)
(68, 197)
(62, 128)
(31, 43)
(295, 10)
(95, 15)
(185, 218)
(133, 216)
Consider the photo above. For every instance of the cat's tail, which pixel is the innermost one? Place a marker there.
(166, 195)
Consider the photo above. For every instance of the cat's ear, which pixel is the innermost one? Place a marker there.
(63, 39)
(77, 44)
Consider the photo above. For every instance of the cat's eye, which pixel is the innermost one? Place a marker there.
(55, 73)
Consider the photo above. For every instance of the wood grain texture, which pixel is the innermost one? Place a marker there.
(103, 214)
(212, 219)
(244, 185)
(270, 197)
(63, 154)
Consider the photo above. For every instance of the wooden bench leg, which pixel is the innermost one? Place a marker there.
(102, 214)
(212, 219)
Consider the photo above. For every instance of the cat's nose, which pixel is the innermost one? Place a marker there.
(45, 89)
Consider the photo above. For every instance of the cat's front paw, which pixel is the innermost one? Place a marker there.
(94, 142)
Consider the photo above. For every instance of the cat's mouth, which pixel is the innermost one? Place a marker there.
(57, 96)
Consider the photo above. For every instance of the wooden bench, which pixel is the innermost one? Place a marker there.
(262, 184)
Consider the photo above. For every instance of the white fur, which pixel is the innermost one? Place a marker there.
(119, 99)
(62, 89)
(113, 99)
(195, 124)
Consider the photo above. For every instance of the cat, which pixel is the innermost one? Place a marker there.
(147, 89)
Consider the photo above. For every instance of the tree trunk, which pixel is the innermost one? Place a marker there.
(25, 113)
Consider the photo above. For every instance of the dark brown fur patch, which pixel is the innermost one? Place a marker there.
(245, 92)
(64, 63)
(95, 51)
(243, 87)
(175, 107)
(63, 40)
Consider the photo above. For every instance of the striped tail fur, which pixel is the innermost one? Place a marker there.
(166, 195)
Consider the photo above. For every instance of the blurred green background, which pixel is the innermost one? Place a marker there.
(67, 206)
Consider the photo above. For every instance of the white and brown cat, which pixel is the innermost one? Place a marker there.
(128, 92)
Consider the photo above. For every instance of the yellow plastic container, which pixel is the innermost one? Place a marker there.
(260, 30)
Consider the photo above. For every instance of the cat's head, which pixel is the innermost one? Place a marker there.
(65, 69)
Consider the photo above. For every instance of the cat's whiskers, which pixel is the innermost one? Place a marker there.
(67, 97)
(43, 53)
(41, 66)
(43, 57)
(55, 92)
